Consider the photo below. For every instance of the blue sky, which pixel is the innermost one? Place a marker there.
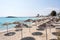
(28, 7)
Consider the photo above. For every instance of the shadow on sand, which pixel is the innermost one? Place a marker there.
(37, 33)
(28, 38)
(9, 34)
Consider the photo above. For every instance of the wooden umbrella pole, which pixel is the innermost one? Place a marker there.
(21, 32)
(7, 28)
(46, 33)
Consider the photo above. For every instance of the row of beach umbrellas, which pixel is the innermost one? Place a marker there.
(19, 25)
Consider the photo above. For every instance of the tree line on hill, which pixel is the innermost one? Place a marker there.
(53, 13)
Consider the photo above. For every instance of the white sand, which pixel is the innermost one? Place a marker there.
(26, 33)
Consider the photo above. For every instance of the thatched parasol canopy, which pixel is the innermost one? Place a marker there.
(34, 20)
(6, 23)
(39, 20)
(16, 22)
(18, 26)
(25, 25)
(28, 20)
(42, 26)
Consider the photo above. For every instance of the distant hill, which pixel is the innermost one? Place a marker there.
(11, 17)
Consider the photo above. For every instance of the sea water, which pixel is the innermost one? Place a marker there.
(10, 20)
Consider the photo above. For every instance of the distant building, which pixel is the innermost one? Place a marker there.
(38, 15)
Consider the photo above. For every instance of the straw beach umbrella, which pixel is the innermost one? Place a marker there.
(27, 23)
(28, 20)
(36, 22)
(41, 28)
(16, 23)
(18, 26)
(8, 34)
(20, 29)
(6, 24)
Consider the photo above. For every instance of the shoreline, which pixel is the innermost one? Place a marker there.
(19, 36)
(6, 30)
(31, 24)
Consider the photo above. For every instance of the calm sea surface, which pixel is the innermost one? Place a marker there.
(4, 20)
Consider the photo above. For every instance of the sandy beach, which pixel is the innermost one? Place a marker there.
(27, 33)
